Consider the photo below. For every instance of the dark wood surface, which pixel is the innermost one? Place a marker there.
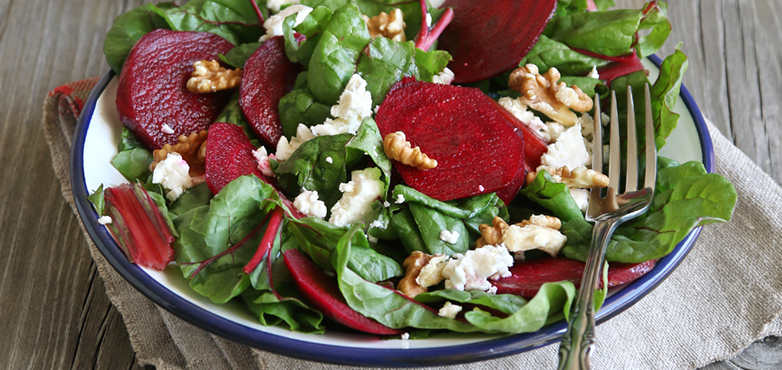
(54, 310)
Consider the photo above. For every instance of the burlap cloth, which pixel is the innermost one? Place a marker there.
(726, 294)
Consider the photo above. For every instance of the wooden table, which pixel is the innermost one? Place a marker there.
(55, 312)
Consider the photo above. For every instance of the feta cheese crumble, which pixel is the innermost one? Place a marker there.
(308, 203)
(355, 104)
(581, 196)
(358, 194)
(166, 129)
(173, 174)
(264, 166)
(593, 73)
(568, 151)
(450, 310)
(105, 220)
(405, 336)
(273, 25)
(285, 148)
(445, 77)
(400, 199)
(276, 5)
(329, 160)
(471, 271)
(449, 237)
(519, 110)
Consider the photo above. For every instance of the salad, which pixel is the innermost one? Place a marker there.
(387, 167)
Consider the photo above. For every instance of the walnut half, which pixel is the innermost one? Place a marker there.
(547, 95)
(492, 235)
(192, 148)
(398, 148)
(210, 76)
(413, 265)
(390, 26)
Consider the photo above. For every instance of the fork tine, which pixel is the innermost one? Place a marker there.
(593, 208)
(631, 181)
(614, 157)
(650, 177)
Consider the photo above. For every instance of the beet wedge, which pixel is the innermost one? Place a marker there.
(152, 98)
(477, 148)
(527, 277)
(487, 38)
(229, 154)
(322, 292)
(268, 75)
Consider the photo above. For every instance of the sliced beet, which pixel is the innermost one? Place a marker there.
(477, 148)
(268, 75)
(152, 86)
(322, 292)
(229, 154)
(527, 277)
(489, 37)
(534, 145)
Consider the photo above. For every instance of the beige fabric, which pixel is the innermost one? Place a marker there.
(726, 293)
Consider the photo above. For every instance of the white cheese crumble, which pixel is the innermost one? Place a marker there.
(273, 25)
(380, 223)
(432, 273)
(371, 239)
(263, 157)
(405, 336)
(329, 160)
(173, 174)
(166, 129)
(386, 204)
(105, 220)
(471, 270)
(400, 199)
(481, 188)
(275, 5)
(581, 196)
(450, 310)
(568, 151)
(445, 77)
(593, 73)
(286, 148)
(353, 106)
(449, 237)
(308, 203)
(519, 239)
(358, 195)
(519, 110)
(428, 20)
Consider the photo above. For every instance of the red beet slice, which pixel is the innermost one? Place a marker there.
(527, 277)
(534, 145)
(229, 154)
(268, 75)
(477, 148)
(489, 37)
(152, 86)
(322, 292)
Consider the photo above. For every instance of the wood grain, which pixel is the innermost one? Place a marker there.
(55, 313)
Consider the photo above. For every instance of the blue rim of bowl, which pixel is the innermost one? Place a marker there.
(492, 348)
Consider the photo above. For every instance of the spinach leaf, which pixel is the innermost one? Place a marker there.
(133, 158)
(553, 196)
(238, 56)
(431, 223)
(506, 303)
(97, 199)
(613, 32)
(233, 114)
(664, 94)
(548, 53)
(195, 197)
(128, 28)
(300, 106)
(234, 20)
(369, 141)
(461, 208)
(685, 197)
(404, 224)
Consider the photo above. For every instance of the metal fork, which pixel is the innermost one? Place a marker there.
(607, 213)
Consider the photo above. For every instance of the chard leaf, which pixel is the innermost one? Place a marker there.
(234, 20)
(553, 196)
(386, 63)
(300, 106)
(128, 28)
(664, 94)
(97, 200)
(588, 85)
(197, 196)
(548, 53)
(238, 56)
(133, 158)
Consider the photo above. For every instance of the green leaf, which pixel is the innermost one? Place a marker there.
(369, 141)
(387, 62)
(238, 56)
(273, 311)
(234, 20)
(197, 196)
(664, 94)
(233, 114)
(553, 196)
(133, 159)
(431, 222)
(548, 53)
(506, 303)
(404, 224)
(97, 200)
(128, 28)
(300, 106)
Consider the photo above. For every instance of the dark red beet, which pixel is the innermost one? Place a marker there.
(322, 292)
(152, 86)
(477, 148)
(268, 75)
(489, 37)
(229, 154)
(527, 277)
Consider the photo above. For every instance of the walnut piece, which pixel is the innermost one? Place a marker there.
(542, 221)
(492, 235)
(398, 148)
(390, 26)
(210, 76)
(580, 178)
(413, 264)
(192, 148)
(547, 95)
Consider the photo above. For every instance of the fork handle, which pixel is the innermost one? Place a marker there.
(576, 348)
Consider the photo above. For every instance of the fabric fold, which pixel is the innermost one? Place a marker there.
(726, 294)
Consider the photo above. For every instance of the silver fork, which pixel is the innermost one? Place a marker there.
(608, 213)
